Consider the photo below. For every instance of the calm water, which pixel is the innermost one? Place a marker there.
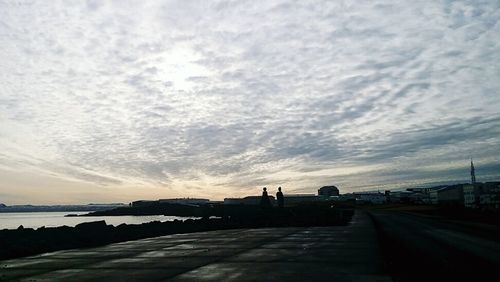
(54, 219)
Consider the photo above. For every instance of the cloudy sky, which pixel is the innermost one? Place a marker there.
(117, 101)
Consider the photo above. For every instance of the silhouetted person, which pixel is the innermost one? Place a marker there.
(280, 198)
(264, 200)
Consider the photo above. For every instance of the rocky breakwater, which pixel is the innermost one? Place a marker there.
(27, 241)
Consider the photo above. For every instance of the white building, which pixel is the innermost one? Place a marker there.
(371, 197)
(471, 195)
(433, 196)
(489, 197)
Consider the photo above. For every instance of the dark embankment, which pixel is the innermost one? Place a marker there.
(165, 209)
(24, 241)
(217, 210)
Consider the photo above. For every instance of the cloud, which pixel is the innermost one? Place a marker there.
(220, 98)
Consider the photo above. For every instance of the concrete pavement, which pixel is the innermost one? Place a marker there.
(338, 253)
(420, 248)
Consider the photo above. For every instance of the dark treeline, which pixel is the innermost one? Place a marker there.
(26, 241)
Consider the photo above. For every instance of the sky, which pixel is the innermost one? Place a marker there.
(115, 101)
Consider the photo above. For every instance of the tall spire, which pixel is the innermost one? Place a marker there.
(472, 172)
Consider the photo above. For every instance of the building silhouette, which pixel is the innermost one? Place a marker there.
(328, 191)
(472, 172)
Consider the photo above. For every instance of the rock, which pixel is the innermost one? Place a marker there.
(91, 226)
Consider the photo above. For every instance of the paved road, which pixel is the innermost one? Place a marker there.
(342, 253)
(420, 248)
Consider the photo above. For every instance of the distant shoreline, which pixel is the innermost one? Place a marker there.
(59, 208)
(36, 220)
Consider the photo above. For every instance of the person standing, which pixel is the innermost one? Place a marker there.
(280, 198)
(264, 200)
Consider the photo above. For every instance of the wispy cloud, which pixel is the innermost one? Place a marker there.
(217, 98)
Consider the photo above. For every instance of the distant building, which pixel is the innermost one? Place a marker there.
(485, 196)
(418, 198)
(328, 191)
(451, 196)
(346, 198)
(400, 197)
(472, 195)
(489, 196)
(370, 197)
(423, 195)
(433, 197)
(472, 173)
(422, 190)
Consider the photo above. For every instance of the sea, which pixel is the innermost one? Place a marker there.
(12, 220)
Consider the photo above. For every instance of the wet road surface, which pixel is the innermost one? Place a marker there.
(339, 253)
(419, 248)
